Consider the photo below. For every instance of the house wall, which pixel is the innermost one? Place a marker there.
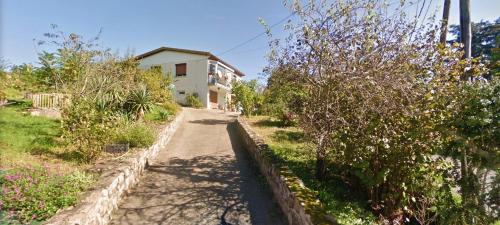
(195, 79)
(221, 95)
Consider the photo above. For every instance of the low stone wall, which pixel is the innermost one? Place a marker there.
(298, 203)
(116, 178)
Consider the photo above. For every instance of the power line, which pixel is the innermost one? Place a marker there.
(270, 27)
(258, 35)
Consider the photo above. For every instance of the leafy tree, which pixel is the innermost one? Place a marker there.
(472, 137)
(495, 59)
(246, 96)
(484, 37)
(47, 72)
(73, 56)
(370, 101)
(281, 98)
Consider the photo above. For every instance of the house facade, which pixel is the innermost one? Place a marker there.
(194, 72)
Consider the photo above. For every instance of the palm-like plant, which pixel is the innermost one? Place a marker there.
(139, 102)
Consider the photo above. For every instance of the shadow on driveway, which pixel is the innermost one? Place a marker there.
(220, 188)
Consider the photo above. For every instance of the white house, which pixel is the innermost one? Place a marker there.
(194, 72)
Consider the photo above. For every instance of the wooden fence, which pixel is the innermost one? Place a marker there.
(49, 101)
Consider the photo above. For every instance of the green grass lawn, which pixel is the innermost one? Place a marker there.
(26, 139)
(290, 147)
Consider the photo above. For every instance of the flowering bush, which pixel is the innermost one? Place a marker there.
(36, 193)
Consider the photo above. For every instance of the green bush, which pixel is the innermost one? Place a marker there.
(247, 97)
(171, 107)
(158, 113)
(471, 136)
(193, 100)
(139, 102)
(3, 96)
(164, 115)
(35, 194)
(26, 104)
(158, 84)
(86, 129)
(136, 135)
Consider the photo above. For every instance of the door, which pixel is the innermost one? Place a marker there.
(213, 99)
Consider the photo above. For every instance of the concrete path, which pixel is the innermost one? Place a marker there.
(204, 176)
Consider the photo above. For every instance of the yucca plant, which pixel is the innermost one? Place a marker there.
(139, 102)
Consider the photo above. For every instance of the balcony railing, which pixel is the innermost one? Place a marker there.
(216, 81)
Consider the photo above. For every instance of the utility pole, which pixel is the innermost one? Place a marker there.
(465, 27)
(444, 23)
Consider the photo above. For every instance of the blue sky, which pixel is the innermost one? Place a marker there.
(209, 25)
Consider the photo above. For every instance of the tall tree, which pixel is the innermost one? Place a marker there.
(444, 23)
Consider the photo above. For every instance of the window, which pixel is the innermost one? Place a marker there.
(221, 70)
(180, 69)
(212, 69)
(182, 92)
(156, 67)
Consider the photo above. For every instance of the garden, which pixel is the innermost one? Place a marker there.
(387, 124)
(45, 162)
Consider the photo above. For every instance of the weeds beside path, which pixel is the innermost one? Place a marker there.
(289, 146)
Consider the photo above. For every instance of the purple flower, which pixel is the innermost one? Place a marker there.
(5, 190)
(9, 178)
(17, 190)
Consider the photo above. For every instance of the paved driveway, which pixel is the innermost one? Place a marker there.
(202, 177)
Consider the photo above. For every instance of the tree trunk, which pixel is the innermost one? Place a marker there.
(320, 166)
(444, 23)
(320, 160)
(464, 170)
(465, 27)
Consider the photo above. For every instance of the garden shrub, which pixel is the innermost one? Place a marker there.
(36, 193)
(136, 135)
(193, 100)
(86, 129)
(164, 115)
(139, 102)
(25, 104)
(158, 113)
(3, 96)
(158, 84)
(246, 97)
(171, 107)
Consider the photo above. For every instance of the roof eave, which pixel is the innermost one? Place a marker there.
(210, 56)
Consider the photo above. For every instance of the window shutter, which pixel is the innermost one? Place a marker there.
(180, 69)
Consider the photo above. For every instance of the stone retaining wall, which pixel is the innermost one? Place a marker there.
(298, 203)
(116, 178)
